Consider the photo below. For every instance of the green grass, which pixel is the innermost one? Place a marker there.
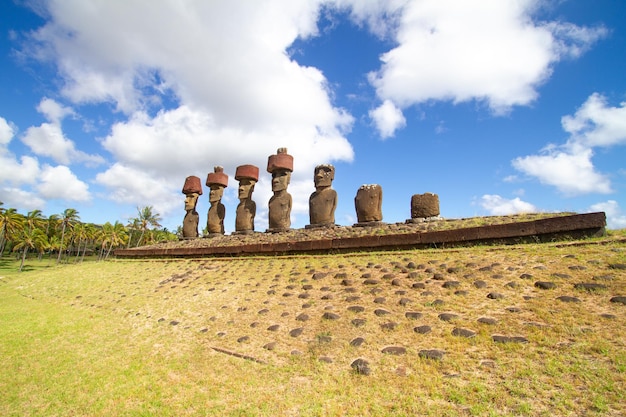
(98, 339)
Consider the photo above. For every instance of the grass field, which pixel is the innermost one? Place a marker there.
(276, 336)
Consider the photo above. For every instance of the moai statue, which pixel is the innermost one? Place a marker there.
(247, 175)
(216, 181)
(368, 203)
(424, 206)
(323, 201)
(192, 190)
(281, 167)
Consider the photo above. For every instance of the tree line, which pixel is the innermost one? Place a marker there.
(66, 237)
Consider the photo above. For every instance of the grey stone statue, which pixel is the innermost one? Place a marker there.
(216, 181)
(281, 167)
(323, 202)
(247, 175)
(192, 190)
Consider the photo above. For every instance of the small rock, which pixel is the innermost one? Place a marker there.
(174, 323)
(451, 284)
(487, 320)
(269, 346)
(325, 359)
(608, 316)
(448, 316)
(389, 325)
(480, 284)
(413, 315)
(273, 328)
(568, 299)
(358, 322)
(589, 286)
(498, 338)
(458, 331)
(381, 312)
(296, 332)
(371, 281)
(513, 309)
(356, 309)
(360, 366)
(302, 317)
(495, 296)
(560, 275)
(418, 285)
(380, 300)
(618, 299)
(422, 329)
(526, 276)
(243, 339)
(545, 285)
(394, 350)
(405, 301)
(357, 341)
(617, 266)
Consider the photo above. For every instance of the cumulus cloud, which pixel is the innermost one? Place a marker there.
(388, 118)
(500, 206)
(569, 167)
(62, 184)
(17, 197)
(49, 140)
(457, 50)
(615, 217)
(6, 133)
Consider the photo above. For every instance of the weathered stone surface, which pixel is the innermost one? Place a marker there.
(368, 203)
(617, 266)
(448, 316)
(495, 296)
(381, 312)
(487, 320)
(357, 341)
(302, 317)
(480, 284)
(356, 309)
(390, 325)
(273, 328)
(451, 284)
(358, 322)
(498, 338)
(424, 205)
(296, 332)
(331, 316)
(413, 315)
(269, 346)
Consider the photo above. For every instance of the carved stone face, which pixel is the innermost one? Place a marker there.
(280, 180)
(324, 176)
(216, 193)
(190, 201)
(246, 187)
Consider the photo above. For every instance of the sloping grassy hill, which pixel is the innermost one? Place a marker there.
(471, 331)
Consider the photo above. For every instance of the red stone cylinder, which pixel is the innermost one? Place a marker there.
(192, 185)
(218, 177)
(247, 172)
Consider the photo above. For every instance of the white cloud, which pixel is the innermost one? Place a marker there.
(61, 183)
(388, 118)
(597, 124)
(459, 50)
(499, 206)
(24, 171)
(53, 111)
(615, 217)
(569, 167)
(6, 133)
(25, 200)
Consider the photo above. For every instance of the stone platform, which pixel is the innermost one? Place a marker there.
(342, 240)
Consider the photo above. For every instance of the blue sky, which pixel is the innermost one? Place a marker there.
(497, 106)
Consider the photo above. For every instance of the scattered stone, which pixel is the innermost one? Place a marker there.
(243, 339)
(560, 275)
(254, 324)
(513, 309)
(361, 366)
(498, 338)
(461, 292)
(296, 332)
(269, 346)
(577, 268)
(380, 300)
(400, 292)
(358, 322)
(526, 276)
(448, 316)
(284, 314)
(319, 275)
(394, 350)
(296, 352)
(535, 324)
(304, 295)
(302, 317)
(608, 316)
(480, 284)
(568, 299)
(607, 277)
(273, 328)
(438, 277)
(346, 282)
(497, 276)
(356, 309)
(357, 341)
(495, 296)
(174, 323)
(617, 266)
(340, 275)
(418, 285)
(324, 339)
(487, 320)
(451, 284)
(352, 298)
(221, 334)
(160, 320)
(396, 282)
(486, 268)
(405, 301)
(389, 325)
(331, 316)
(325, 359)
(488, 363)
(458, 331)
(389, 276)
(545, 285)
(328, 297)
(307, 305)
(434, 354)
(618, 299)
(381, 312)
(371, 281)
(588, 286)
(413, 315)
(422, 329)
(511, 284)
(438, 302)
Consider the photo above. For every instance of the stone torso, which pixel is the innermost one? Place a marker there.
(244, 220)
(215, 218)
(280, 211)
(322, 206)
(190, 224)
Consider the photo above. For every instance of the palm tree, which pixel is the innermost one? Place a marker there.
(68, 218)
(10, 224)
(117, 237)
(30, 239)
(35, 219)
(146, 219)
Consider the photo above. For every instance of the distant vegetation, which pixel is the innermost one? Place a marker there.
(67, 238)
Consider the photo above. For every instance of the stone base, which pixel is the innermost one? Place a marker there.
(277, 230)
(243, 232)
(321, 226)
(210, 235)
(423, 219)
(188, 238)
(368, 224)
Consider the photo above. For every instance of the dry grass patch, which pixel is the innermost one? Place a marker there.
(172, 337)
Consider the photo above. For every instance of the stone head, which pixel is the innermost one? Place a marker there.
(216, 193)
(191, 199)
(247, 175)
(280, 179)
(323, 175)
(216, 181)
